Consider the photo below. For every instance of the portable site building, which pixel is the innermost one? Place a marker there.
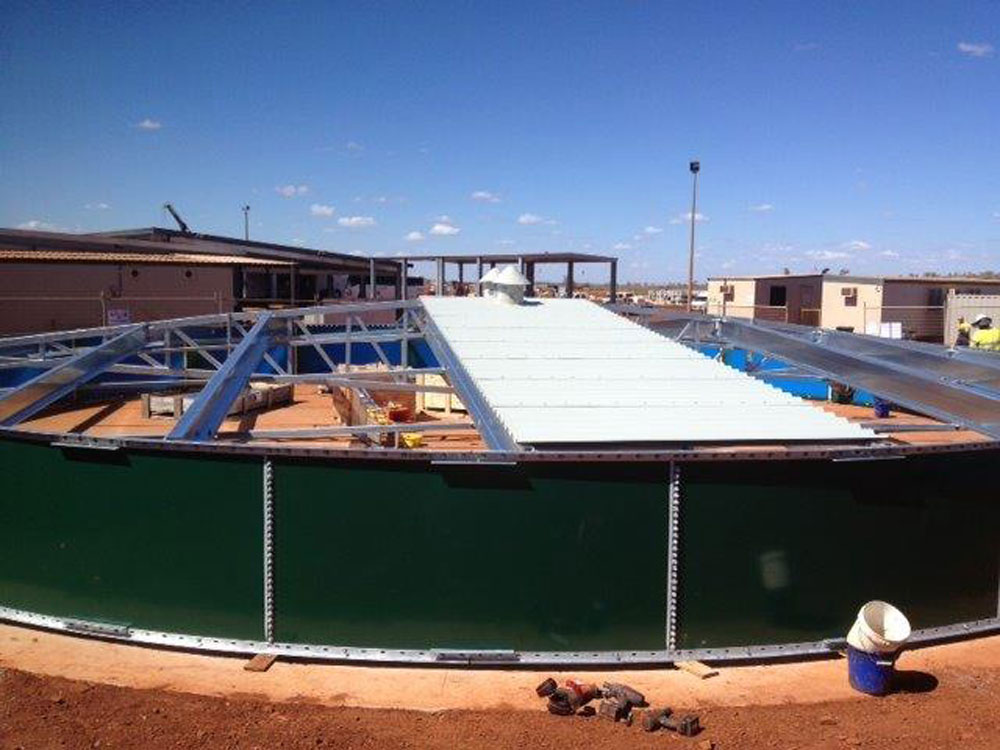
(898, 306)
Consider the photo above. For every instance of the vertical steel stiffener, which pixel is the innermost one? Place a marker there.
(673, 539)
(268, 550)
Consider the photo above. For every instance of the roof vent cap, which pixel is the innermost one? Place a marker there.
(486, 283)
(508, 286)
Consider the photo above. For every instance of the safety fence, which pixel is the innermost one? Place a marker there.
(916, 322)
(936, 324)
(770, 313)
(967, 308)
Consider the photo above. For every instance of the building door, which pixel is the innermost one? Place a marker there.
(809, 309)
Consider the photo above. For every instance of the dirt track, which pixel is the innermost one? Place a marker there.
(127, 696)
(46, 712)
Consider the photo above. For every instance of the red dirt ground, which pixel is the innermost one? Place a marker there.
(954, 708)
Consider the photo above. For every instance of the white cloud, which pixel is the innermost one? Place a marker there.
(529, 219)
(651, 230)
(38, 226)
(996, 214)
(506, 243)
(355, 147)
(485, 196)
(414, 236)
(856, 245)
(356, 222)
(889, 254)
(290, 191)
(442, 229)
(319, 209)
(149, 124)
(445, 219)
(976, 49)
(98, 206)
(762, 208)
(622, 246)
(686, 218)
(827, 254)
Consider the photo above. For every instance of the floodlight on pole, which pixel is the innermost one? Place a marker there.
(695, 167)
(246, 223)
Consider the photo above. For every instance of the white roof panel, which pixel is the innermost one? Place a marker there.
(569, 371)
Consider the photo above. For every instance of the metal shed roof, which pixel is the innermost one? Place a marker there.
(569, 371)
(29, 255)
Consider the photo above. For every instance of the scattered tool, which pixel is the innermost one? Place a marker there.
(564, 701)
(623, 694)
(546, 688)
(616, 705)
(687, 725)
(615, 710)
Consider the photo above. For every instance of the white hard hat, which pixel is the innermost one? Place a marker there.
(980, 318)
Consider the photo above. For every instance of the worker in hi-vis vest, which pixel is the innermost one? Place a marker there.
(984, 335)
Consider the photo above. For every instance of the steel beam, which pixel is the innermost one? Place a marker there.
(923, 391)
(375, 655)
(356, 429)
(201, 421)
(45, 389)
(961, 366)
(491, 429)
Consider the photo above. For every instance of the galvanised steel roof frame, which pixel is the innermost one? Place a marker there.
(234, 356)
(952, 390)
(31, 397)
(960, 366)
(931, 383)
(491, 429)
(202, 420)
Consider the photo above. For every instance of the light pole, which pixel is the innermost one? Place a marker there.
(246, 223)
(695, 167)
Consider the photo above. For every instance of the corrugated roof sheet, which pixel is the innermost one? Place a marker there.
(181, 259)
(569, 371)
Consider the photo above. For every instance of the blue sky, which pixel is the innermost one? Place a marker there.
(843, 135)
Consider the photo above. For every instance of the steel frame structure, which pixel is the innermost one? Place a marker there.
(232, 349)
(235, 347)
(222, 352)
(956, 387)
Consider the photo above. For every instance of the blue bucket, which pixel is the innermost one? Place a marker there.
(882, 408)
(870, 673)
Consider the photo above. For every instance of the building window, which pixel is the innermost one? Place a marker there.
(778, 296)
(935, 297)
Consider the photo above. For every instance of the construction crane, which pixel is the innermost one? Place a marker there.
(177, 217)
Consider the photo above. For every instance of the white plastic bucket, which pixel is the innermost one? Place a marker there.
(880, 628)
